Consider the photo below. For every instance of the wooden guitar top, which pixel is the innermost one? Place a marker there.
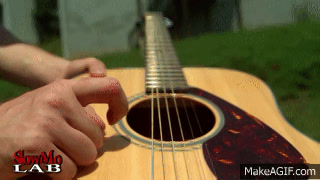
(123, 159)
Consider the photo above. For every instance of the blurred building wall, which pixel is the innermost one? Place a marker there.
(90, 27)
(272, 12)
(18, 19)
(261, 13)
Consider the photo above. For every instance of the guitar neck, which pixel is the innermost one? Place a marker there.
(163, 70)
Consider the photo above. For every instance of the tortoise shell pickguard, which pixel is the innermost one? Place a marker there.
(244, 139)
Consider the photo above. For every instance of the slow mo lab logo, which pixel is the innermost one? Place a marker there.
(42, 163)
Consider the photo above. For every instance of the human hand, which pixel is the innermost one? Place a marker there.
(57, 117)
(34, 67)
(93, 66)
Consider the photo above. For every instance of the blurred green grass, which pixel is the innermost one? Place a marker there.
(286, 57)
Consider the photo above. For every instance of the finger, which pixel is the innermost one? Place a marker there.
(102, 90)
(71, 111)
(75, 144)
(68, 168)
(94, 117)
(92, 65)
(96, 68)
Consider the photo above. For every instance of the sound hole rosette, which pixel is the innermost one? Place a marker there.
(123, 128)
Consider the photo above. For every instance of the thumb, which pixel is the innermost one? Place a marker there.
(102, 90)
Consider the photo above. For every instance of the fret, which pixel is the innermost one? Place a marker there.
(160, 55)
(163, 69)
(169, 77)
(168, 84)
(165, 79)
(154, 59)
(159, 48)
(163, 65)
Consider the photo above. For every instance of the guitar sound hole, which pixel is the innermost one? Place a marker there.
(195, 118)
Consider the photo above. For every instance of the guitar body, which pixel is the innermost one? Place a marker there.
(248, 128)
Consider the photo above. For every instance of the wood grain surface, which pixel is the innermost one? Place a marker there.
(122, 159)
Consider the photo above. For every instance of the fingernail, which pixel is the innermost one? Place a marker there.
(98, 74)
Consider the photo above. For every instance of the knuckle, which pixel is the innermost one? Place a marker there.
(113, 87)
(114, 83)
(47, 123)
(45, 116)
(50, 97)
(56, 95)
(96, 61)
(56, 101)
(39, 136)
(92, 60)
(113, 80)
(40, 122)
(60, 84)
(38, 141)
(90, 155)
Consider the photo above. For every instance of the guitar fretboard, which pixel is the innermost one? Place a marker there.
(163, 70)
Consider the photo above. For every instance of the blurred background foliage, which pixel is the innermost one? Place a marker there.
(286, 57)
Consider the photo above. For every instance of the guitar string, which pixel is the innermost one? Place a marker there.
(197, 155)
(160, 121)
(161, 136)
(151, 29)
(159, 112)
(198, 122)
(171, 134)
(172, 139)
(178, 117)
(179, 121)
(152, 136)
(181, 131)
(168, 113)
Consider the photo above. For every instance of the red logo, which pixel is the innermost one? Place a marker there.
(53, 163)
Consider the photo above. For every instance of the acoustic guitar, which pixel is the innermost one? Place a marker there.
(193, 123)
